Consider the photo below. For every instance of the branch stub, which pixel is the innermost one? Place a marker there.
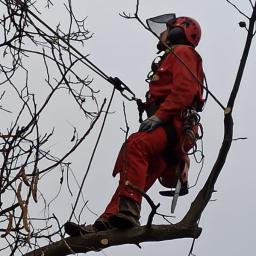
(227, 110)
(104, 241)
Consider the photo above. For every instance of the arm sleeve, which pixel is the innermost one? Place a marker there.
(185, 84)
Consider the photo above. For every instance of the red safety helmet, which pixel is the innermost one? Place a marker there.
(190, 27)
(157, 25)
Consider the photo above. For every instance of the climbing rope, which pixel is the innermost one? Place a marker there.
(192, 121)
(93, 154)
(116, 82)
(193, 130)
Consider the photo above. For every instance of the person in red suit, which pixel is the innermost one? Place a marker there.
(160, 146)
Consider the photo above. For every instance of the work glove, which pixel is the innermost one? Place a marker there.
(150, 124)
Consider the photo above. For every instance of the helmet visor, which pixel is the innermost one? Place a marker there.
(158, 24)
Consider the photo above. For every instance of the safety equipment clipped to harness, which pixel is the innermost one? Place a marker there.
(193, 130)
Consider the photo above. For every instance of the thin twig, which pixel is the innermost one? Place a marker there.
(126, 131)
(251, 3)
(238, 9)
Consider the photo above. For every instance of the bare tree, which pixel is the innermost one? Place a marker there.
(25, 156)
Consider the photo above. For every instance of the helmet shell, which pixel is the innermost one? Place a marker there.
(190, 26)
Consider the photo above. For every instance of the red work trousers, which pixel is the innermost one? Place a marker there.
(141, 162)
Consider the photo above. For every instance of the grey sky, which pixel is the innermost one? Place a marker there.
(122, 48)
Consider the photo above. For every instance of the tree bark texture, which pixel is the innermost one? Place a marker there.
(104, 239)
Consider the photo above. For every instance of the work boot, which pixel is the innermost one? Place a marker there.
(128, 214)
(73, 229)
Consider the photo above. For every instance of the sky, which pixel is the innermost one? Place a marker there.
(122, 48)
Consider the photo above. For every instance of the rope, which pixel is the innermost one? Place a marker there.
(121, 86)
(118, 84)
(89, 63)
(202, 84)
(193, 133)
(92, 156)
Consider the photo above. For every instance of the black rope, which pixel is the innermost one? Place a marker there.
(92, 156)
(89, 63)
(118, 84)
(121, 86)
(201, 83)
(204, 86)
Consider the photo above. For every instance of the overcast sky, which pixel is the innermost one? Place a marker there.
(123, 48)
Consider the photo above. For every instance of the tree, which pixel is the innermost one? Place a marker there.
(26, 158)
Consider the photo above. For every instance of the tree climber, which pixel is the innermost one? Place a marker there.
(159, 149)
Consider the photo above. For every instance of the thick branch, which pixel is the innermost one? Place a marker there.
(243, 59)
(204, 195)
(105, 239)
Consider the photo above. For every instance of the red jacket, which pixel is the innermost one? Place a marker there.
(176, 85)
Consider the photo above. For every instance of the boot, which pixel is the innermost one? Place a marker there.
(128, 214)
(73, 229)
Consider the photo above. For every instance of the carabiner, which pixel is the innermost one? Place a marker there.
(122, 87)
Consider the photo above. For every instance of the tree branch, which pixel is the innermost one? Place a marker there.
(104, 239)
(197, 207)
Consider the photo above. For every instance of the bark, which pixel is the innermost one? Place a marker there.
(104, 239)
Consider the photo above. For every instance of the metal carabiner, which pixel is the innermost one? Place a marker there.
(122, 88)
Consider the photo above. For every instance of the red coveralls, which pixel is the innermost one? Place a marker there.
(140, 160)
